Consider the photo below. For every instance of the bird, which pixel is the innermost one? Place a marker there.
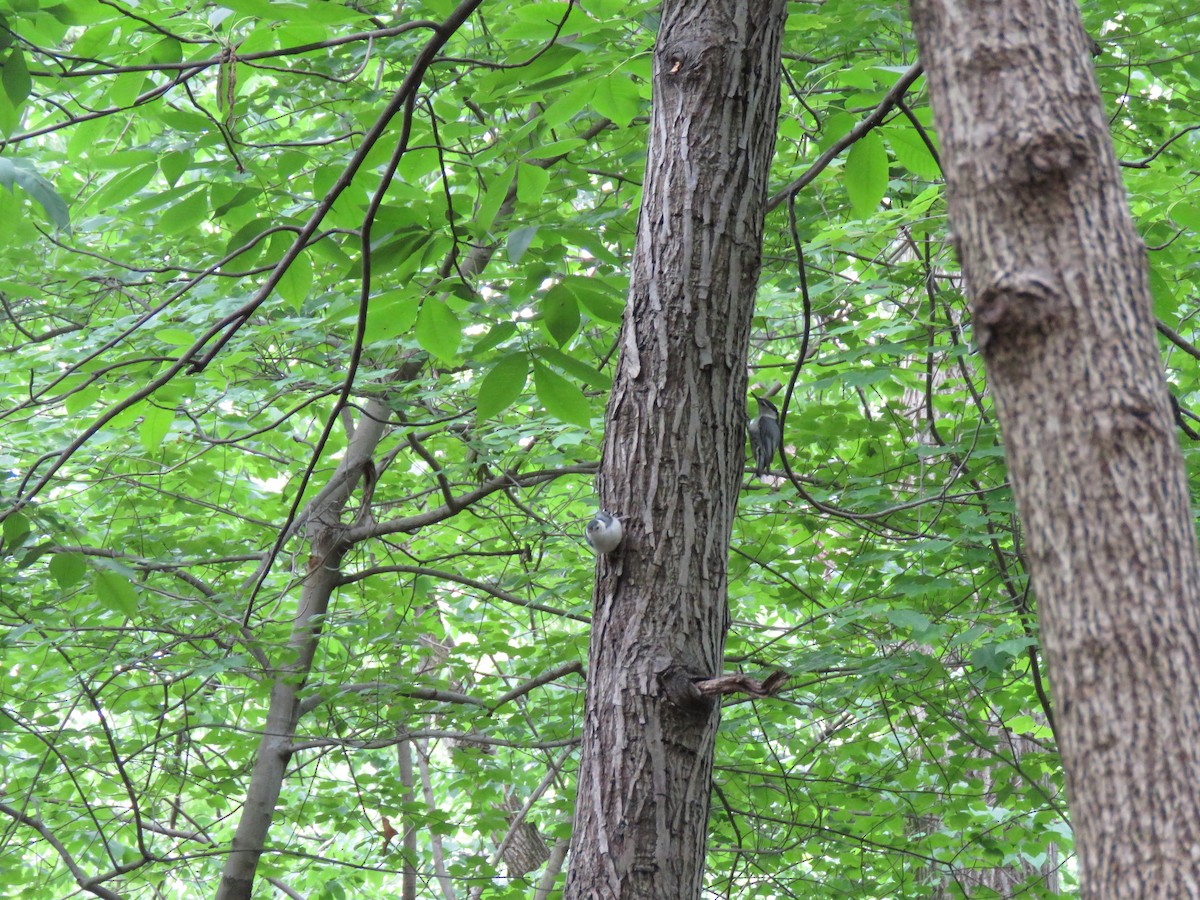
(765, 435)
(604, 532)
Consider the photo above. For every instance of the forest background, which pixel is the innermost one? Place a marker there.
(205, 376)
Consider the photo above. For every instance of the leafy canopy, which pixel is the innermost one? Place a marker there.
(218, 221)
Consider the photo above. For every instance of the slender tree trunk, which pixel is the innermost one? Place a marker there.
(326, 540)
(673, 454)
(325, 533)
(1061, 305)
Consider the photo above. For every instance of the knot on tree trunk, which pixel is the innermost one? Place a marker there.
(679, 688)
(1046, 155)
(1014, 307)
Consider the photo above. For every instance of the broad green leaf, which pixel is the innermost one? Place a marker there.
(175, 337)
(866, 173)
(837, 126)
(598, 297)
(15, 77)
(120, 188)
(81, 399)
(126, 87)
(556, 149)
(16, 530)
(228, 197)
(912, 153)
(496, 335)
(115, 592)
(560, 312)
(244, 237)
(519, 241)
(576, 368)
(564, 108)
(502, 385)
(10, 116)
(388, 315)
(67, 569)
(988, 657)
(617, 98)
(532, 182)
(187, 214)
(296, 281)
(438, 330)
(911, 619)
(1166, 302)
(21, 172)
(1187, 214)
(561, 399)
(497, 190)
(94, 40)
(156, 424)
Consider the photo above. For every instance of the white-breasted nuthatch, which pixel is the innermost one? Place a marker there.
(765, 436)
(604, 532)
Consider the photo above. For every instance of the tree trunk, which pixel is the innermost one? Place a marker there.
(326, 540)
(1061, 304)
(673, 454)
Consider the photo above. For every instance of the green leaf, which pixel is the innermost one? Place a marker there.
(186, 214)
(1187, 214)
(908, 618)
(115, 592)
(296, 281)
(911, 153)
(67, 569)
(242, 238)
(16, 530)
(390, 314)
(560, 312)
(601, 299)
(81, 399)
(519, 241)
(156, 424)
(125, 88)
(561, 398)
(617, 98)
(121, 187)
(564, 108)
(15, 77)
(556, 149)
(837, 126)
(21, 172)
(532, 182)
(173, 165)
(866, 173)
(1166, 301)
(502, 385)
(576, 368)
(989, 658)
(226, 198)
(438, 330)
(175, 337)
(497, 190)
(496, 335)
(10, 116)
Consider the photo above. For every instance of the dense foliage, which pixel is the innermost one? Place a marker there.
(230, 227)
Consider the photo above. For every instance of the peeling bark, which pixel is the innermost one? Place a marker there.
(673, 455)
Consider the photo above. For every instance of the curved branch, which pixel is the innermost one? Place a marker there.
(898, 90)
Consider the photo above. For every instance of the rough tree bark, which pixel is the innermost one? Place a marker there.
(1062, 314)
(673, 454)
